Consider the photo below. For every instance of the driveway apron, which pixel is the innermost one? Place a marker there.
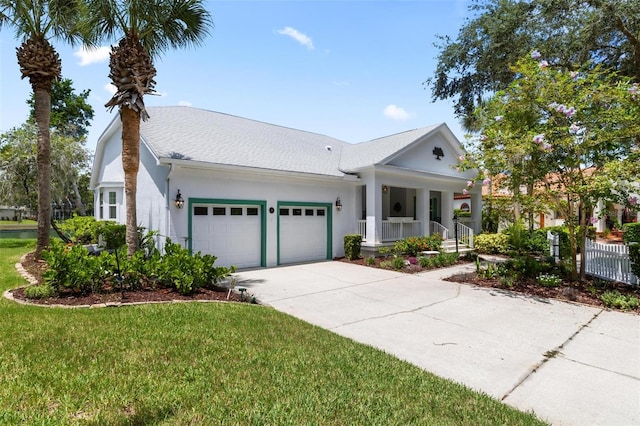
(570, 364)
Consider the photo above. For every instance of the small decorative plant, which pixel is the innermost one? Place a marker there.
(614, 299)
(549, 280)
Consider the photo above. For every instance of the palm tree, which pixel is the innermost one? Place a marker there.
(146, 28)
(35, 22)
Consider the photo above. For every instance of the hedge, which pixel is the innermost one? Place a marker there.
(631, 232)
(352, 246)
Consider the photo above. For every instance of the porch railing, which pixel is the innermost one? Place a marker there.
(465, 234)
(393, 230)
(437, 228)
(362, 229)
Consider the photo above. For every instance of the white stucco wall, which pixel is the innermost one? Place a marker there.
(110, 169)
(231, 185)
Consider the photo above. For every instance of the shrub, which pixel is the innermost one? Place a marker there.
(425, 261)
(491, 243)
(385, 251)
(398, 262)
(43, 291)
(113, 235)
(613, 299)
(413, 245)
(370, 261)
(634, 255)
(82, 229)
(71, 266)
(518, 236)
(549, 280)
(526, 266)
(507, 281)
(631, 232)
(352, 245)
(537, 242)
(74, 268)
(386, 264)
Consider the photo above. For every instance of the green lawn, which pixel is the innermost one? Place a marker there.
(12, 224)
(209, 363)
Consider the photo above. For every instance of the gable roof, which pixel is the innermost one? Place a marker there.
(187, 133)
(381, 150)
(179, 133)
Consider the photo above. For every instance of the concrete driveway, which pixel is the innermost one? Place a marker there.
(568, 363)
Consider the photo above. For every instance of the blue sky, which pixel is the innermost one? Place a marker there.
(353, 70)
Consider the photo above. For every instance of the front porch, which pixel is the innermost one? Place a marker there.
(415, 207)
(394, 230)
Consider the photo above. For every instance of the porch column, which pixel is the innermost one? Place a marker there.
(476, 212)
(619, 212)
(422, 209)
(447, 211)
(374, 210)
(597, 211)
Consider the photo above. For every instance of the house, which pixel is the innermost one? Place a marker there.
(258, 194)
(604, 216)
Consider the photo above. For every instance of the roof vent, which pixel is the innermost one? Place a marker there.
(328, 147)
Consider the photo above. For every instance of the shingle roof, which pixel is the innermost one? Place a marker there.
(188, 133)
(211, 137)
(377, 150)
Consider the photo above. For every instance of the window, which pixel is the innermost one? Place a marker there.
(252, 211)
(297, 212)
(219, 211)
(101, 205)
(200, 211)
(308, 212)
(465, 207)
(236, 211)
(320, 212)
(113, 208)
(284, 212)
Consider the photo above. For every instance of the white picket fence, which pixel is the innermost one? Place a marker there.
(609, 262)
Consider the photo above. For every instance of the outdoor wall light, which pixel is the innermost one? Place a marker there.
(385, 189)
(338, 204)
(179, 201)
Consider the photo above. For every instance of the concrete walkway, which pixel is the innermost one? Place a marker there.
(568, 363)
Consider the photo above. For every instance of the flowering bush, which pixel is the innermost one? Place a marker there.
(413, 245)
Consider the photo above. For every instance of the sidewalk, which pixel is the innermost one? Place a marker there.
(570, 364)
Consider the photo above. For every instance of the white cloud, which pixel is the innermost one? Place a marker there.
(301, 38)
(397, 113)
(110, 88)
(185, 103)
(90, 56)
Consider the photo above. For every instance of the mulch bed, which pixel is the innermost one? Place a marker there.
(114, 296)
(587, 293)
(407, 269)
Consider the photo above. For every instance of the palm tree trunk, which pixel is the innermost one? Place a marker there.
(130, 164)
(43, 160)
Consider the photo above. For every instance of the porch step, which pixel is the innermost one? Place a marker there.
(449, 246)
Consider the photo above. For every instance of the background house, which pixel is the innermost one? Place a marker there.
(258, 194)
